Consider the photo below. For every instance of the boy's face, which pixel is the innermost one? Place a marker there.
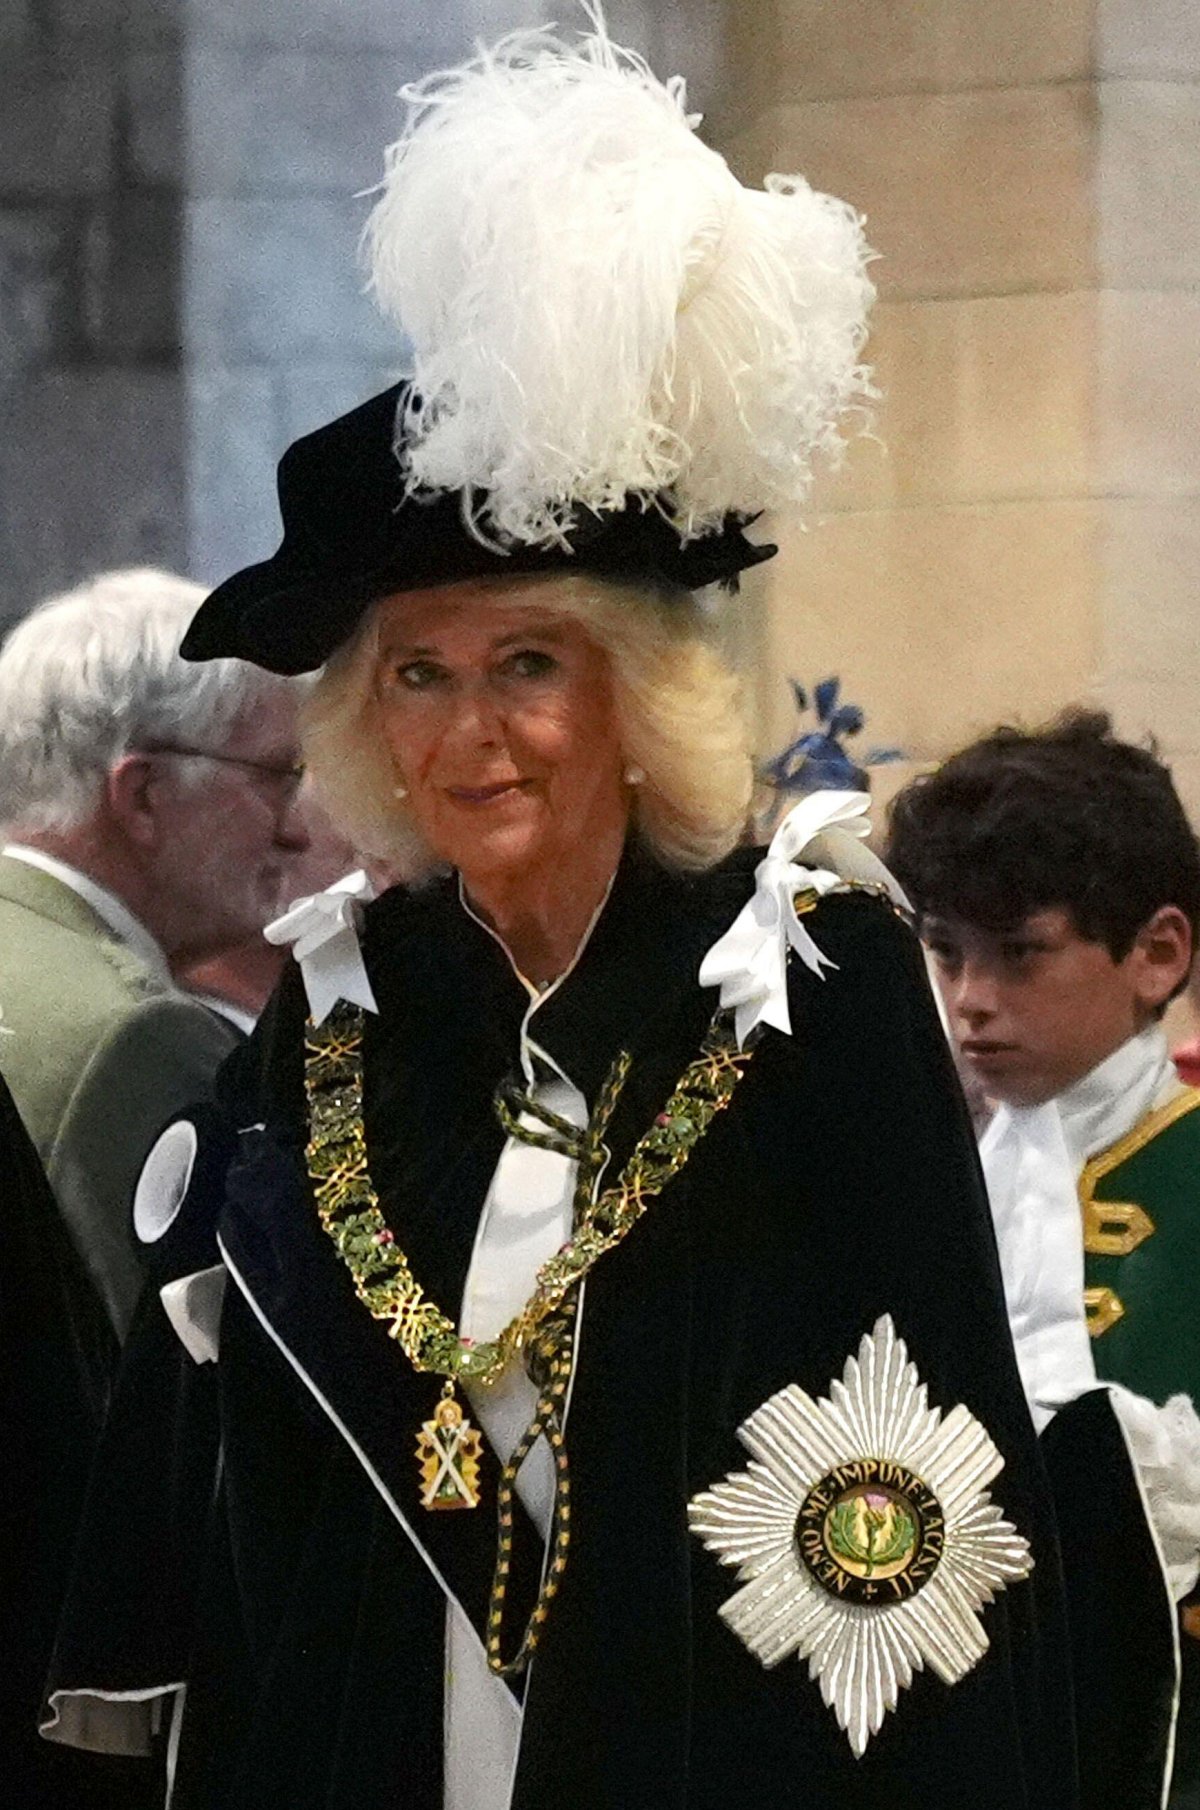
(1035, 1008)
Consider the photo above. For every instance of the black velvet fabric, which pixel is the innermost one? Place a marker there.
(840, 1185)
(1120, 1613)
(57, 1355)
(350, 536)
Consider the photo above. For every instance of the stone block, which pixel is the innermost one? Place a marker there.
(940, 621)
(240, 420)
(278, 281)
(131, 278)
(156, 119)
(289, 121)
(1149, 560)
(91, 471)
(1183, 1018)
(965, 194)
(812, 49)
(18, 22)
(430, 34)
(1148, 184)
(1148, 393)
(37, 280)
(1134, 37)
(126, 22)
(984, 398)
(234, 439)
(56, 125)
(153, 21)
(1166, 710)
(310, 395)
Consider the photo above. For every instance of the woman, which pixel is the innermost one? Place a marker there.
(636, 1144)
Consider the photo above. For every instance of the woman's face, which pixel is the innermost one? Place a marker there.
(499, 717)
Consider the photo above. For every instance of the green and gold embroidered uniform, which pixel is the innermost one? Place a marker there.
(1141, 1208)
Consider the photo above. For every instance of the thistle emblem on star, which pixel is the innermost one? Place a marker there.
(863, 1535)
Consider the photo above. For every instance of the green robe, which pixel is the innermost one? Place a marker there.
(1141, 1206)
(1141, 1218)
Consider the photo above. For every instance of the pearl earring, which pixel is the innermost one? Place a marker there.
(400, 791)
(634, 775)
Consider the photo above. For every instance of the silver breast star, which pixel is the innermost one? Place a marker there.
(863, 1535)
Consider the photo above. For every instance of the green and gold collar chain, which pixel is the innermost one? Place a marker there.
(542, 1334)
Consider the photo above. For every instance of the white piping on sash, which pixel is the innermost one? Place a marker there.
(1169, 1763)
(537, 998)
(173, 1739)
(368, 1467)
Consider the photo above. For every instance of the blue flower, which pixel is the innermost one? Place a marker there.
(816, 761)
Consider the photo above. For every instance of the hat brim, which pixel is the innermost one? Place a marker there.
(351, 536)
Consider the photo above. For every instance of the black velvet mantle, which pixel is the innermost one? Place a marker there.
(840, 1185)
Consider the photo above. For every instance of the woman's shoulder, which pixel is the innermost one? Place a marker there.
(404, 906)
(815, 917)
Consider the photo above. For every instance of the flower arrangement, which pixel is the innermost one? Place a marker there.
(818, 760)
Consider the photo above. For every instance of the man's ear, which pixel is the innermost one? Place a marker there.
(1161, 956)
(129, 794)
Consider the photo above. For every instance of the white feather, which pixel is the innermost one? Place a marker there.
(597, 307)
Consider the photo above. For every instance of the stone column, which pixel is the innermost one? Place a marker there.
(289, 105)
(1022, 533)
(1148, 373)
(91, 467)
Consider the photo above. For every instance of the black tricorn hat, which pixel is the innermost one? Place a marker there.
(350, 536)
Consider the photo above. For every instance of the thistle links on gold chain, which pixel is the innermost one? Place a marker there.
(448, 1446)
(350, 1211)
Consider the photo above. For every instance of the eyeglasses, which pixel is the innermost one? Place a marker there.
(287, 777)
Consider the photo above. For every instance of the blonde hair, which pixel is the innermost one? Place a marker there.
(678, 708)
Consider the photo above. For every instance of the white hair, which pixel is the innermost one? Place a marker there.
(678, 707)
(95, 674)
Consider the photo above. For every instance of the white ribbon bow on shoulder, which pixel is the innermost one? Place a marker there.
(324, 931)
(749, 963)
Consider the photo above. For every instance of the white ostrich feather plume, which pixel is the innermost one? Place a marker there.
(597, 307)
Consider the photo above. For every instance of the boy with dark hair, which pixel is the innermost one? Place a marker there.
(1056, 882)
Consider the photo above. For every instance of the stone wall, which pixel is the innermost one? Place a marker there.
(1024, 531)
(91, 460)
(1147, 186)
(180, 200)
(180, 197)
(288, 109)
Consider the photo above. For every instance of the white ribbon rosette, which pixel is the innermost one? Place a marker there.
(323, 929)
(749, 963)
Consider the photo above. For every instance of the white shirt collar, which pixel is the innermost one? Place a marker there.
(108, 908)
(1032, 1158)
(1112, 1098)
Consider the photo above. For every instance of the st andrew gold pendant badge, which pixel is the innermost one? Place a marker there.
(448, 1447)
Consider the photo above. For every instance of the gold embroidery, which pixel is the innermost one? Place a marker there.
(350, 1212)
(448, 1445)
(1143, 1133)
(1103, 1308)
(1113, 1228)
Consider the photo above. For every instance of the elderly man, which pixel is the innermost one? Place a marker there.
(149, 809)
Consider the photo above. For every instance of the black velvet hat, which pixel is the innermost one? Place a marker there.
(350, 536)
